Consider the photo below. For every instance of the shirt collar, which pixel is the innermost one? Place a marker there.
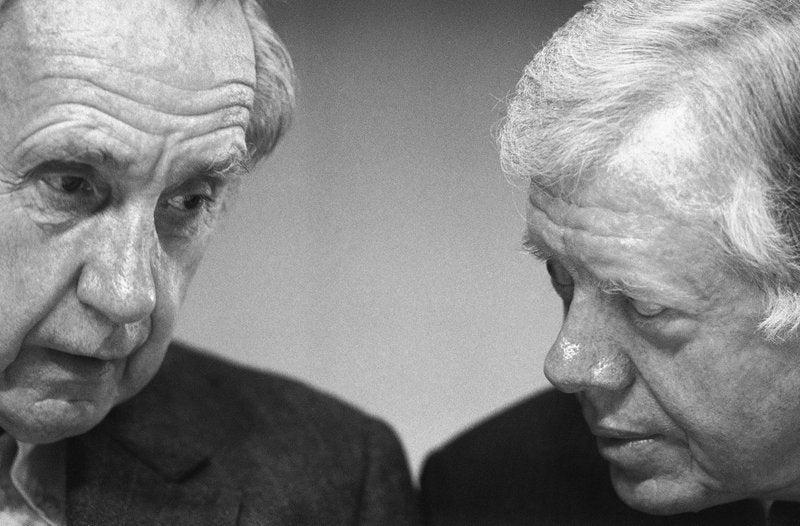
(39, 474)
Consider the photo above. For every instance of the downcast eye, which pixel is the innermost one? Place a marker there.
(647, 309)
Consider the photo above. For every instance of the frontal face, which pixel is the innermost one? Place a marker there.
(689, 405)
(123, 127)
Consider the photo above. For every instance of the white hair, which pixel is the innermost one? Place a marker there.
(734, 64)
(275, 79)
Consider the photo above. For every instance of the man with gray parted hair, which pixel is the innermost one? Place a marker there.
(661, 139)
(125, 127)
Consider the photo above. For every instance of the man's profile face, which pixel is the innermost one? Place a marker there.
(123, 125)
(690, 405)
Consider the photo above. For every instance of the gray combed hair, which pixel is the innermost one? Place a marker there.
(275, 80)
(735, 64)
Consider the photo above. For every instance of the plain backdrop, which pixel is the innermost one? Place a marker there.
(377, 253)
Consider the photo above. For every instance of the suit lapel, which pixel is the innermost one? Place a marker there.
(151, 461)
(107, 484)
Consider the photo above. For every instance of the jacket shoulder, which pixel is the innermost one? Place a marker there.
(296, 453)
(195, 378)
(522, 463)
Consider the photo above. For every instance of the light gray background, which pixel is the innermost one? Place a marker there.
(377, 253)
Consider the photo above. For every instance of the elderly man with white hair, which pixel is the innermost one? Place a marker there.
(661, 141)
(125, 127)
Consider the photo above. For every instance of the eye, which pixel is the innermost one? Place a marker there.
(66, 190)
(189, 210)
(646, 309)
(193, 197)
(191, 202)
(559, 274)
(69, 184)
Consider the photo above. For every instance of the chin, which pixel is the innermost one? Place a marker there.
(663, 495)
(54, 420)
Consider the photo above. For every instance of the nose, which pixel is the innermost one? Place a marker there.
(588, 354)
(117, 275)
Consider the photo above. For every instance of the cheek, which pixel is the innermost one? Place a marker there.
(36, 274)
(140, 368)
(173, 275)
(737, 406)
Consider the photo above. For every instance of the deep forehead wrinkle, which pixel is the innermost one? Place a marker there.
(544, 245)
(174, 38)
(118, 129)
(120, 117)
(74, 149)
(93, 146)
(595, 221)
(144, 89)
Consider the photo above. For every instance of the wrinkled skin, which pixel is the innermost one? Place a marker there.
(690, 405)
(123, 127)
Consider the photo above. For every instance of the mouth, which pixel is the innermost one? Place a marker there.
(79, 364)
(629, 449)
(53, 373)
(608, 444)
(53, 364)
(106, 352)
(89, 344)
(620, 435)
(613, 438)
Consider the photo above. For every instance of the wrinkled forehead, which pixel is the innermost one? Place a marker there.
(183, 43)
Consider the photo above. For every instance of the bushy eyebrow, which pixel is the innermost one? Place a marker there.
(226, 165)
(78, 152)
(231, 166)
(542, 252)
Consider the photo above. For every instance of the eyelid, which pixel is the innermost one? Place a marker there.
(61, 167)
(645, 308)
(210, 183)
(207, 200)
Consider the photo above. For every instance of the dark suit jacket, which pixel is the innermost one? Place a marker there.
(207, 442)
(537, 463)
